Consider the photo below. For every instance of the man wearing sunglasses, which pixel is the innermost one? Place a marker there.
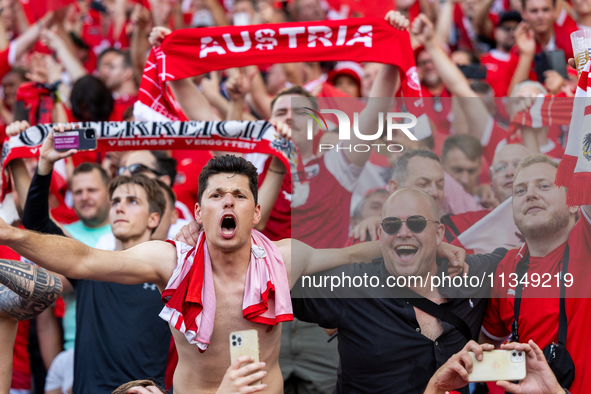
(386, 344)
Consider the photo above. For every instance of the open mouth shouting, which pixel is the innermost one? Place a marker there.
(228, 225)
(406, 252)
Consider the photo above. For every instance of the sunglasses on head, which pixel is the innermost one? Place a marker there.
(415, 223)
(137, 169)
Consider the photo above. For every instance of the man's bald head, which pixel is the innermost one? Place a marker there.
(403, 196)
(407, 252)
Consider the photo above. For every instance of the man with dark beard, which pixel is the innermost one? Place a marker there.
(552, 233)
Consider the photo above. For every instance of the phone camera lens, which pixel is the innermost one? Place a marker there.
(89, 134)
(239, 339)
(519, 354)
(514, 354)
(233, 343)
(233, 336)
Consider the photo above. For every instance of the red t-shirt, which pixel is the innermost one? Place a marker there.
(499, 70)
(563, 27)
(189, 166)
(438, 109)
(321, 217)
(94, 36)
(120, 105)
(538, 319)
(21, 363)
(4, 65)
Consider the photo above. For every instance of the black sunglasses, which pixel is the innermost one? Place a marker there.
(137, 168)
(415, 223)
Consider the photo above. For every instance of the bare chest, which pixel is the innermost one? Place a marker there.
(430, 326)
(206, 370)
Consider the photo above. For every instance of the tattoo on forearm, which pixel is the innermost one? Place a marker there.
(26, 290)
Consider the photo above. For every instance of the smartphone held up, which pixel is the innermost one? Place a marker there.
(79, 138)
(498, 365)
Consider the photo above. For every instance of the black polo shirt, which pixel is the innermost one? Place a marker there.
(381, 347)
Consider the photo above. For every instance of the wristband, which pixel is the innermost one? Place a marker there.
(277, 172)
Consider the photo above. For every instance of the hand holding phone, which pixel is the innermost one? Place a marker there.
(78, 138)
(498, 365)
(245, 343)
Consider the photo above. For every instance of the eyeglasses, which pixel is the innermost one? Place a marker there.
(502, 167)
(415, 223)
(137, 168)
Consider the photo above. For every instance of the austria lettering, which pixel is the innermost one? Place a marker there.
(268, 39)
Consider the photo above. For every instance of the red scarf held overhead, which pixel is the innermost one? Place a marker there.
(546, 111)
(190, 52)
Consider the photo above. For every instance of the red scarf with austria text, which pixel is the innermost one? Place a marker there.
(190, 52)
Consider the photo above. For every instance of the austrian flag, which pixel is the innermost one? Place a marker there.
(574, 171)
(190, 52)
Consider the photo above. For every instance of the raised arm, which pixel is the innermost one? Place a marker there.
(445, 21)
(452, 77)
(482, 23)
(26, 290)
(526, 43)
(301, 259)
(149, 262)
(26, 40)
(384, 87)
(70, 62)
(192, 101)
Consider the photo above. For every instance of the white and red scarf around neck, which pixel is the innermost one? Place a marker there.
(190, 52)
(190, 293)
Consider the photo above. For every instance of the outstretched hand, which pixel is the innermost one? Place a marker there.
(368, 225)
(524, 39)
(48, 151)
(456, 257)
(157, 35)
(283, 129)
(397, 20)
(17, 127)
(454, 373)
(422, 29)
(540, 379)
(188, 234)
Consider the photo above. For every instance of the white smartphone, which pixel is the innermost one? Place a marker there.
(245, 343)
(498, 365)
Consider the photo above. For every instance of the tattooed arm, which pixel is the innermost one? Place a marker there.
(26, 290)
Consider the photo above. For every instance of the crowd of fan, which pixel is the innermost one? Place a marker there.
(470, 55)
